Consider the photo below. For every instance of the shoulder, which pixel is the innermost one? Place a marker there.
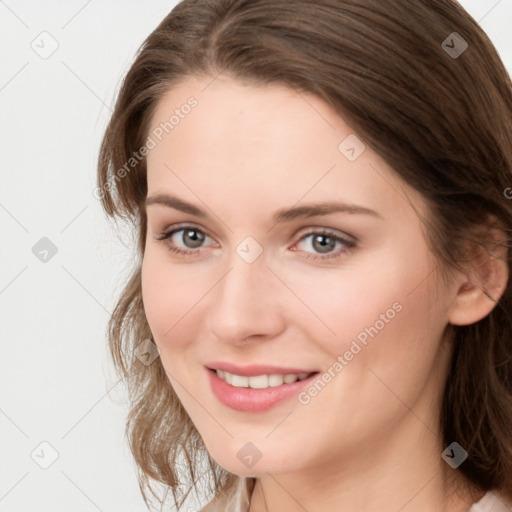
(492, 501)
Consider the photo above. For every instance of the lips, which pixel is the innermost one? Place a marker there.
(258, 369)
(251, 400)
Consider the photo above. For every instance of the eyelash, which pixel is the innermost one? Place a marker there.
(188, 253)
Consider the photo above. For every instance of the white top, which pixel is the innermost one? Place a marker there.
(492, 501)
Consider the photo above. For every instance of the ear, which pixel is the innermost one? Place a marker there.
(480, 288)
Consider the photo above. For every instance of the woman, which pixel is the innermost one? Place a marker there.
(320, 315)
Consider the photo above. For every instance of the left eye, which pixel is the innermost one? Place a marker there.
(322, 241)
(325, 242)
(190, 234)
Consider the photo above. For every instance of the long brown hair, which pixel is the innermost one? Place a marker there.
(437, 106)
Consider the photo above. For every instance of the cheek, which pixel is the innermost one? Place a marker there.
(380, 313)
(385, 346)
(343, 303)
(175, 299)
(166, 295)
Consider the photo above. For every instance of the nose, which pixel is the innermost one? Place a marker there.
(247, 302)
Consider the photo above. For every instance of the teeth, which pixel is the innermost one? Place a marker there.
(260, 381)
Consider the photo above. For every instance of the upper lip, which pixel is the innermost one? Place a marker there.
(256, 369)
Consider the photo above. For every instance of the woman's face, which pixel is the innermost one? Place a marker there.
(351, 293)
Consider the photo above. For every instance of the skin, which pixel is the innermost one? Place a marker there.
(369, 440)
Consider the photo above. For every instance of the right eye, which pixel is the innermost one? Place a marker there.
(189, 236)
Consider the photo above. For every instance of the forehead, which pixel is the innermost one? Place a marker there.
(229, 114)
(263, 142)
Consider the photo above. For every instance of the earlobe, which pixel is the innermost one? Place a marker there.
(480, 290)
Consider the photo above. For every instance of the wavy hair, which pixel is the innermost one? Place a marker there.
(442, 120)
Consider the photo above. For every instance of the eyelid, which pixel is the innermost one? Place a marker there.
(322, 229)
(167, 233)
(349, 241)
(305, 230)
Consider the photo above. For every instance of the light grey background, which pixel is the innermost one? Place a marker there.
(57, 384)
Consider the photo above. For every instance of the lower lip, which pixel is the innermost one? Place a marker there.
(254, 400)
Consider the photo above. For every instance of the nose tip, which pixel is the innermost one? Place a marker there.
(245, 304)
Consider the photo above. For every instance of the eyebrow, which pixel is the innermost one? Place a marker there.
(282, 215)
